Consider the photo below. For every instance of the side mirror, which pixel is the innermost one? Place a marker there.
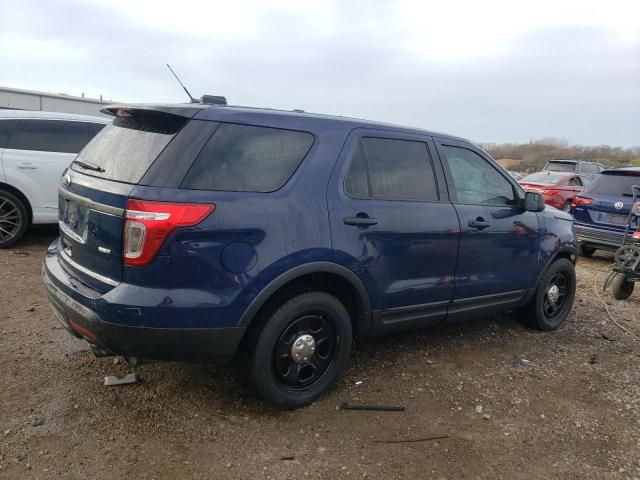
(533, 202)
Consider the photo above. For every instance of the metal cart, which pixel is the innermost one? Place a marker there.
(626, 270)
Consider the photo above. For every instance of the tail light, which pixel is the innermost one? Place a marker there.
(581, 201)
(550, 192)
(148, 224)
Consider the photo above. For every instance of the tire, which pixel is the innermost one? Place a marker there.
(14, 219)
(542, 312)
(621, 287)
(585, 251)
(566, 207)
(285, 381)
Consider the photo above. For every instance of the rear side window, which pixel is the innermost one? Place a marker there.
(243, 158)
(49, 136)
(615, 185)
(94, 128)
(390, 169)
(126, 148)
(589, 167)
(6, 127)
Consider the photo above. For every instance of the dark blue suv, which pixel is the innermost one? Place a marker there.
(601, 211)
(195, 231)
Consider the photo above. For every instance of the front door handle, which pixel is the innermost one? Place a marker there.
(361, 222)
(479, 223)
(27, 166)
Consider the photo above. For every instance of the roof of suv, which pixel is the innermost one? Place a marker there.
(242, 114)
(19, 114)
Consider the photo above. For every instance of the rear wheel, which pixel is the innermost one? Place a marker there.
(301, 351)
(585, 251)
(14, 219)
(554, 296)
(621, 287)
(566, 207)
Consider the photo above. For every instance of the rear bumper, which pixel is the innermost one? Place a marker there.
(79, 314)
(598, 238)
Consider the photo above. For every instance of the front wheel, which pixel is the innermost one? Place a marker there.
(302, 350)
(553, 298)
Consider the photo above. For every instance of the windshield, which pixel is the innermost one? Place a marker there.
(614, 184)
(124, 150)
(544, 178)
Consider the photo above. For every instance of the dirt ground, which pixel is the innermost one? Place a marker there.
(572, 411)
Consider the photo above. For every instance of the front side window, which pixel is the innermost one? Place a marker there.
(6, 127)
(475, 181)
(244, 158)
(49, 136)
(390, 169)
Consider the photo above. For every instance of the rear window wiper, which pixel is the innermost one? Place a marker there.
(88, 166)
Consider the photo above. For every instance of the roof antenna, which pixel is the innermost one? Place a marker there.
(191, 99)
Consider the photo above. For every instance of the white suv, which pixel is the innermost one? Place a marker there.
(35, 148)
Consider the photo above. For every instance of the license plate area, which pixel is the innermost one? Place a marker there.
(73, 220)
(616, 218)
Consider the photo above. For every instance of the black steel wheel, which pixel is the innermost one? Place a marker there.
(304, 352)
(14, 219)
(553, 298)
(301, 350)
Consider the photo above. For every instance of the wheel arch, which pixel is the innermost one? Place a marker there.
(568, 252)
(13, 190)
(325, 276)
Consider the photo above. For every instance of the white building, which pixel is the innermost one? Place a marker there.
(15, 98)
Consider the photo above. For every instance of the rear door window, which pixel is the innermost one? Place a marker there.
(475, 181)
(49, 136)
(6, 127)
(391, 169)
(244, 158)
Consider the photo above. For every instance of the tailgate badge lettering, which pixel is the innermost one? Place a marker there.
(104, 250)
(618, 205)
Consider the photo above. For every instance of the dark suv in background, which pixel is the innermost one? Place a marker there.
(582, 167)
(202, 231)
(601, 211)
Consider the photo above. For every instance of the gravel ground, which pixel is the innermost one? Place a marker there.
(570, 411)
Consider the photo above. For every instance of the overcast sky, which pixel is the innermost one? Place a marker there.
(491, 71)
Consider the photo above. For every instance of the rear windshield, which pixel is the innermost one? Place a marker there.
(612, 184)
(561, 167)
(544, 178)
(126, 148)
(244, 158)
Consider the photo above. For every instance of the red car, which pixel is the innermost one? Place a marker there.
(557, 188)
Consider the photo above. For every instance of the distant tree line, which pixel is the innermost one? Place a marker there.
(531, 157)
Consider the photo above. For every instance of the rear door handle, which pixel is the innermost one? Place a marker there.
(479, 223)
(362, 222)
(27, 166)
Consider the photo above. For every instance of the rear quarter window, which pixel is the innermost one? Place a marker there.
(244, 158)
